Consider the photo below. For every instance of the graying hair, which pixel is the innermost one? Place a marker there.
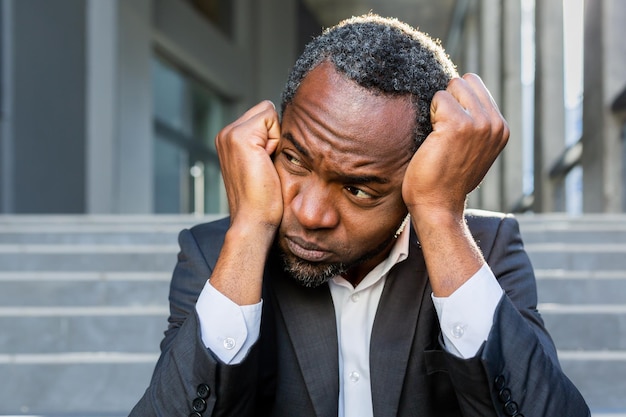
(383, 55)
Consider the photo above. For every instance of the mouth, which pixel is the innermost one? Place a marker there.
(306, 250)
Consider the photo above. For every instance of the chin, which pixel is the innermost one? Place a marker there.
(310, 274)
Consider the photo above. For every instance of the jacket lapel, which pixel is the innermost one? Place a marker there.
(394, 330)
(309, 317)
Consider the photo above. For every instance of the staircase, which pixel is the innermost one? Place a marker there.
(83, 307)
(580, 265)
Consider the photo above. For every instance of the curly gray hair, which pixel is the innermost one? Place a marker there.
(380, 54)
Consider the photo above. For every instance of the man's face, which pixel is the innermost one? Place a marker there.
(341, 161)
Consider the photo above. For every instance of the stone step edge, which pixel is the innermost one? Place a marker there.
(617, 225)
(59, 248)
(55, 247)
(157, 310)
(96, 228)
(566, 274)
(69, 219)
(558, 308)
(540, 274)
(82, 311)
(575, 247)
(70, 358)
(159, 248)
(74, 276)
(67, 358)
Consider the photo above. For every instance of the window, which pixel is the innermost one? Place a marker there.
(187, 116)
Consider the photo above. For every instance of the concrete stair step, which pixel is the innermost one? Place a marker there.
(88, 257)
(65, 329)
(574, 256)
(581, 287)
(547, 228)
(73, 384)
(586, 327)
(83, 306)
(107, 235)
(65, 221)
(574, 233)
(600, 378)
(79, 288)
(554, 220)
(97, 229)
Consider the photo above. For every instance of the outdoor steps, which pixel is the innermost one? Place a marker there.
(580, 265)
(83, 307)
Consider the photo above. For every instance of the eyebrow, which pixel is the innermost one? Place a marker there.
(296, 144)
(347, 178)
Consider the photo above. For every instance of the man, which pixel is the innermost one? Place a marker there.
(349, 280)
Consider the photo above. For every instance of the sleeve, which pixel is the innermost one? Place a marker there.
(516, 371)
(188, 378)
(227, 329)
(466, 316)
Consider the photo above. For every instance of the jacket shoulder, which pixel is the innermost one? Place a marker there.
(485, 225)
(209, 237)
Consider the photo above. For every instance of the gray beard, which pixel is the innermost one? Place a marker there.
(310, 274)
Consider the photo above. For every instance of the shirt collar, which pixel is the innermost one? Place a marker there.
(399, 252)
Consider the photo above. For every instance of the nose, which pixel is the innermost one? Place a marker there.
(314, 206)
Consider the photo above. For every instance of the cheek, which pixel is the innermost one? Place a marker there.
(288, 185)
(372, 226)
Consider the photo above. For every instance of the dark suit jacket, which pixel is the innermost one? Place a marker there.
(292, 371)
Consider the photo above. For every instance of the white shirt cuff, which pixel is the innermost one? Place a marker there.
(466, 316)
(228, 330)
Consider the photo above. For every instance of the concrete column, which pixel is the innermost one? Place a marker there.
(101, 175)
(549, 104)
(604, 79)
(487, 196)
(134, 108)
(276, 40)
(512, 175)
(6, 108)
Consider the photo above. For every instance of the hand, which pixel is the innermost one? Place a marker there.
(254, 199)
(468, 134)
(252, 186)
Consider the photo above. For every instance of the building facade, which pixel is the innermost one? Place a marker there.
(112, 106)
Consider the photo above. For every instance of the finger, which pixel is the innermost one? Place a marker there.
(273, 133)
(255, 111)
(482, 92)
(465, 95)
(444, 106)
(498, 123)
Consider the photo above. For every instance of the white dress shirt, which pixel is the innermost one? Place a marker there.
(230, 330)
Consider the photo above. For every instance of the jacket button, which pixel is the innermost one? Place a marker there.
(198, 405)
(203, 391)
(504, 395)
(499, 382)
(511, 408)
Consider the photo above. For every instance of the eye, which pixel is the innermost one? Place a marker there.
(292, 159)
(358, 193)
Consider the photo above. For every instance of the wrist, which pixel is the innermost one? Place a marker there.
(258, 235)
(426, 219)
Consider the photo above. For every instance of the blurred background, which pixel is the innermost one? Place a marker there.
(112, 106)
(108, 112)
